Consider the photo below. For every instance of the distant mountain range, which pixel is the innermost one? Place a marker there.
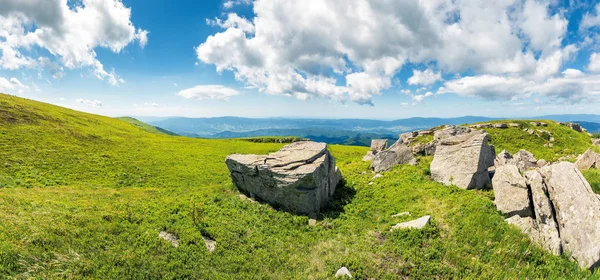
(333, 131)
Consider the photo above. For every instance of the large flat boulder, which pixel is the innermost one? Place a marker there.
(510, 191)
(577, 212)
(462, 157)
(398, 153)
(301, 177)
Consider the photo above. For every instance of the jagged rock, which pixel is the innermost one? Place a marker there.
(343, 272)
(426, 149)
(171, 238)
(500, 125)
(510, 191)
(524, 160)
(450, 131)
(378, 145)
(211, 245)
(577, 212)
(462, 158)
(541, 163)
(587, 160)
(481, 125)
(414, 224)
(502, 158)
(301, 177)
(546, 234)
(397, 154)
(575, 126)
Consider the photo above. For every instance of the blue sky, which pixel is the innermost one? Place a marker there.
(334, 59)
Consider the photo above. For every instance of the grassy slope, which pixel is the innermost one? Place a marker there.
(146, 127)
(85, 196)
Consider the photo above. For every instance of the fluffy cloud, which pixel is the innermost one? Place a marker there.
(69, 35)
(201, 92)
(425, 78)
(572, 87)
(90, 103)
(591, 19)
(594, 62)
(12, 85)
(306, 49)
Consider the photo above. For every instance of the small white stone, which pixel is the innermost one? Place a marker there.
(172, 238)
(211, 245)
(343, 272)
(377, 176)
(371, 183)
(414, 224)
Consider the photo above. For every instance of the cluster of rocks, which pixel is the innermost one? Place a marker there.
(575, 126)
(300, 178)
(552, 203)
(495, 125)
(539, 124)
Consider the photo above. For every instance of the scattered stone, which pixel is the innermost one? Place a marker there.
(211, 245)
(529, 130)
(510, 191)
(426, 149)
(500, 125)
(462, 158)
(414, 224)
(171, 238)
(312, 222)
(536, 123)
(371, 183)
(450, 131)
(401, 214)
(397, 154)
(378, 175)
(301, 177)
(587, 160)
(575, 126)
(514, 125)
(343, 272)
(596, 142)
(407, 137)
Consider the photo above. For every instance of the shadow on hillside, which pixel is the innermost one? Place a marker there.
(342, 196)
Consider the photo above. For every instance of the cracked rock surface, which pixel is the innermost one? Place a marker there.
(300, 178)
(563, 213)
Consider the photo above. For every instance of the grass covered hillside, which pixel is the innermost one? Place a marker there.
(85, 196)
(146, 127)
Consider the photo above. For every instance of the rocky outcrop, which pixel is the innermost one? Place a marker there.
(377, 145)
(538, 123)
(398, 153)
(407, 137)
(587, 160)
(425, 149)
(556, 208)
(596, 142)
(301, 177)
(462, 157)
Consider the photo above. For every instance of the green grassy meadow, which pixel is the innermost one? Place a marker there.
(85, 196)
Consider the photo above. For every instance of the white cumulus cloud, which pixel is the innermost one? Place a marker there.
(69, 35)
(201, 92)
(425, 78)
(90, 103)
